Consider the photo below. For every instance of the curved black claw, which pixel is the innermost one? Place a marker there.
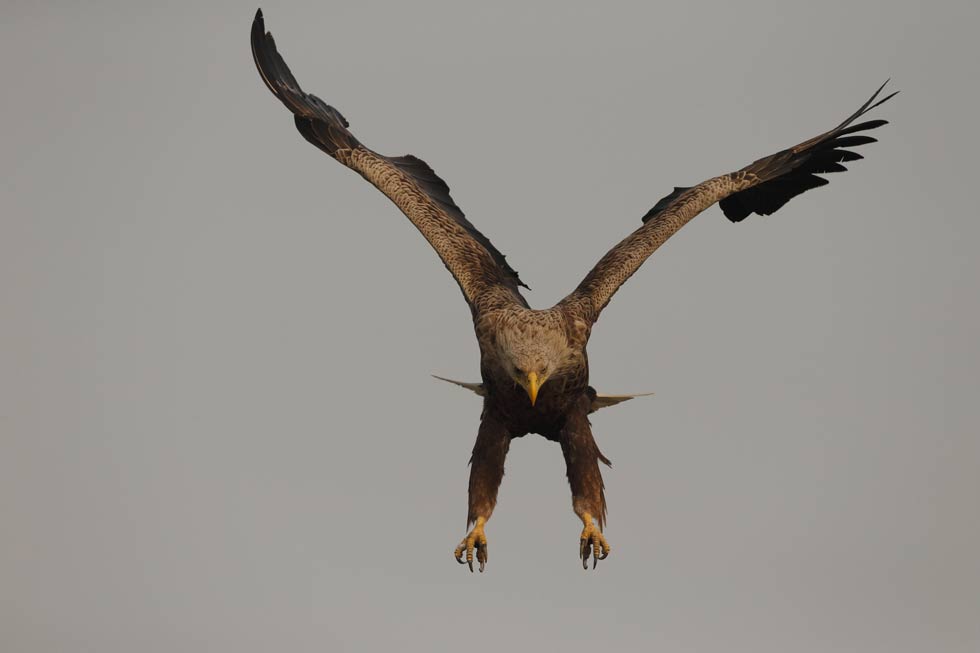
(476, 541)
(592, 542)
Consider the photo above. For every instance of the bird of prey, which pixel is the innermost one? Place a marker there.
(533, 363)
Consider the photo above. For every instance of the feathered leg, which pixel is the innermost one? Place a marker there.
(486, 472)
(582, 458)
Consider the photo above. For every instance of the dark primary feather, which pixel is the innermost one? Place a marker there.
(786, 174)
(325, 127)
(790, 172)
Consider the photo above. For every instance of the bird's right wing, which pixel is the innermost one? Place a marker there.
(761, 187)
(482, 272)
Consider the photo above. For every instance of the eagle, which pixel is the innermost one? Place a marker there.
(533, 363)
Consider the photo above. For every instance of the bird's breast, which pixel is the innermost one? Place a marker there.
(510, 402)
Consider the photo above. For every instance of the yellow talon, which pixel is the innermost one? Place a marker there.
(475, 539)
(592, 541)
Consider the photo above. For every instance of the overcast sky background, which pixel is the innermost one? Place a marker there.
(217, 428)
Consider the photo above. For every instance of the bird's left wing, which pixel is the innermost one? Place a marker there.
(479, 268)
(762, 187)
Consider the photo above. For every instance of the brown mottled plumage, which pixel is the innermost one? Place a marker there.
(533, 362)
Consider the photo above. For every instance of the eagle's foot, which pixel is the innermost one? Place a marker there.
(475, 539)
(593, 542)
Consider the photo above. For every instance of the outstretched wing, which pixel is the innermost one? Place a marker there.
(480, 269)
(762, 187)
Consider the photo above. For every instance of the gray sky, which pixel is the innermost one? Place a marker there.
(217, 428)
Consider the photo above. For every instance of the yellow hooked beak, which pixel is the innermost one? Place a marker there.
(532, 386)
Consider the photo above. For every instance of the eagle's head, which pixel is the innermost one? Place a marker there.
(531, 354)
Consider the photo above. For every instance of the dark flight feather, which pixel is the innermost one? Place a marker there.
(786, 174)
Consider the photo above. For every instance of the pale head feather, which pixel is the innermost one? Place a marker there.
(529, 346)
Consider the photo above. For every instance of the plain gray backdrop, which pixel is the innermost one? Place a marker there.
(217, 428)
